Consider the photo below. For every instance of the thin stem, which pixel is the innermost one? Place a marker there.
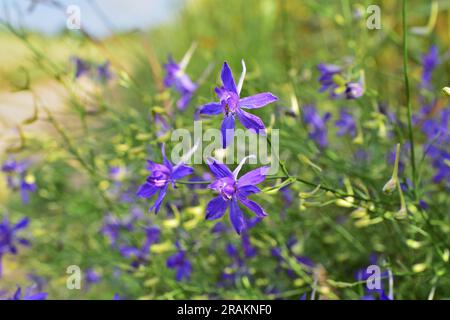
(408, 98)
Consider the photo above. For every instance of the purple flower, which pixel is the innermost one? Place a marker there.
(81, 67)
(180, 262)
(346, 124)
(160, 177)
(18, 179)
(353, 90)
(429, 62)
(9, 239)
(103, 72)
(29, 295)
(231, 190)
(327, 73)
(231, 105)
(332, 81)
(316, 124)
(140, 254)
(180, 81)
(92, 276)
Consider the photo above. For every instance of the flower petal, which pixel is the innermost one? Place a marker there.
(227, 130)
(251, 122)
(257, 101)
(166, 161)
(253, 206)
(23, 223)
(210, 109)
(219, 170)
(159, 200)
(237, 216)
(245, 191)
(181, 171)
(215, 209)
(253, 177)
(227, 78)
(146, 190)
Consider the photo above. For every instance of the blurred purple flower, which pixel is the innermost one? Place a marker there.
(9, 239)
(16, 178)
(231, 189)
(180, 262)
(92, 276)
(140, 254)
(353, 90)
(29, 294)
(346, 124)
(160, 177)
(81, 67)
(327, 72)
(104, 72)
(231, 105)
(430, 60)
(316, 124)
(180, 81)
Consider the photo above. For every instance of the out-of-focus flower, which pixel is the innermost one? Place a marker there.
(353, 90)
(430, 60)
(104, 72)
(81, 67)
(140, 254)
(92, 276)
(331, 80)
(316, 124)
(17, 178)
(161, 176)
(231, 190)
(327, 72)
(231, 105)
(180, 81)
(180, 262)
(100, 72)
(346, 124)
(28, 295)
(9, 238)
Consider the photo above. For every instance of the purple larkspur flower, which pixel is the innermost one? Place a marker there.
(104, 72)
(29, 294)
(316, 124)
(180, 81)
(180, 262)
(9, 238)
(353, 90)
(161, 176)
(16, 177)
(162, 127)
(231, 105)
(346, 124)
(248, 249)
(92, 276)
(328, 81)
(327, 73)
(231, 190)
(82, 67)
(430, 60)
(140, 254)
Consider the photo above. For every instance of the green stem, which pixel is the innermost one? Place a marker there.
(408, 98)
